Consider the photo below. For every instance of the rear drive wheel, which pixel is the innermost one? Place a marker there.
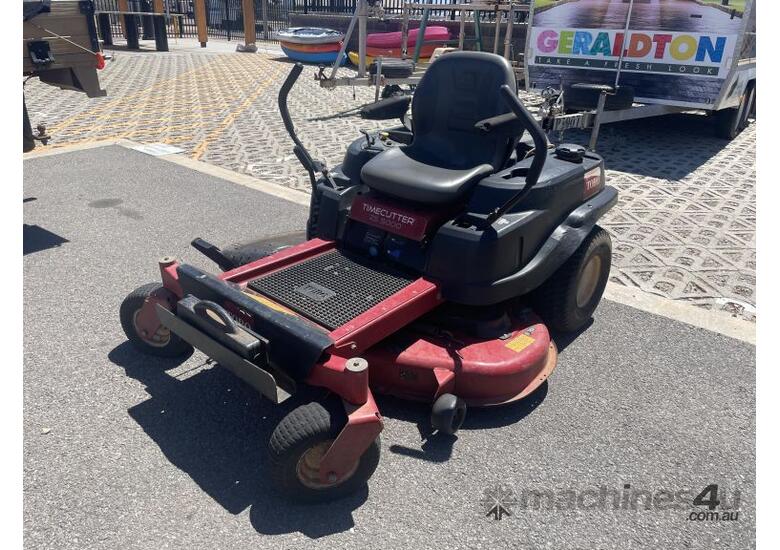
(297, 447)
(163, 342)
(568, 299)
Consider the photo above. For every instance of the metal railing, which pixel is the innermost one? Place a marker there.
(224, 18)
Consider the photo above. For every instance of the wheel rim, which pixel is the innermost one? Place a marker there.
(589, 279)
(308, 467)
(160, 338)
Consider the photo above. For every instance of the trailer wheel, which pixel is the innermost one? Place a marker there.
(730, 122)
(568, 299)
(297, 447)
(163, 343)
(750, 103)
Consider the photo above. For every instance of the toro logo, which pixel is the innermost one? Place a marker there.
(394, 219)
(592, 183)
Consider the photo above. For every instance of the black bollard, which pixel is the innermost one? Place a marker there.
(104, 24)
(160, 33)
(131, 26)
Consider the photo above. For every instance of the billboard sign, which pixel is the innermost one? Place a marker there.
(676, 52)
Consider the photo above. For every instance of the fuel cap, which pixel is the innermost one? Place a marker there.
(570, 152)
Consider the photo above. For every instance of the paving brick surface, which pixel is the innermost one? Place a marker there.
(684, 227)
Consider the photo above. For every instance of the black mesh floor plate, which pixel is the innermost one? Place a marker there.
(331, 289)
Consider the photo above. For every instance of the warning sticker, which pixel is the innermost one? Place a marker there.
(266, 302)
(519, 342)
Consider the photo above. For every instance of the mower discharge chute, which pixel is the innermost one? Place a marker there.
(426, 250)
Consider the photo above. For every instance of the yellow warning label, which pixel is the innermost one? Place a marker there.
(273, 305)
(519, 342)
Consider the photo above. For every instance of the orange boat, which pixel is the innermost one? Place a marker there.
(313, 48)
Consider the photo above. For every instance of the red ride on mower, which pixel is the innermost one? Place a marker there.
(427, 248)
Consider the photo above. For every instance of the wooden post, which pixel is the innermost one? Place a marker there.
(123, 7)
(200, 22)
(250, 35)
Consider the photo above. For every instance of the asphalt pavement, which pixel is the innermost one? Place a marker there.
(126, 451)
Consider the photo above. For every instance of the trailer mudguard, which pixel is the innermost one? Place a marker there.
(295, 345)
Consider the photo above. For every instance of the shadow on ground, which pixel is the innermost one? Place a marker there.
(35, 238)
(645, 147)
(215, 429)
(437, 447)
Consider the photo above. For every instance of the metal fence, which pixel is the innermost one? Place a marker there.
(180, 17)
(392, 8)
(224, 18)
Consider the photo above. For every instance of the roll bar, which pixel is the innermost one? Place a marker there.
(540, 152)
(311, 165)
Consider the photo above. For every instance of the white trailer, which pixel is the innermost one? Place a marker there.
(603, 61)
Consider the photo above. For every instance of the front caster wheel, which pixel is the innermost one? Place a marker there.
(162, 342)
(448, 413)
(297, 447)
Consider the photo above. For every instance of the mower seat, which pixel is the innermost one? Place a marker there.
(448, 155)
(395, 172)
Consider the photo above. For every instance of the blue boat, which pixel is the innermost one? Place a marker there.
(313, 57)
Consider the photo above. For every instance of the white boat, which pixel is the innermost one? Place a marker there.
(309, 35)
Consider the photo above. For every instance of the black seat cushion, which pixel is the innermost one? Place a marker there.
(448, 154)
(395, 173)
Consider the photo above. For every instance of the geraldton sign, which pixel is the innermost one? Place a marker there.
(692, 54)
(673, 52)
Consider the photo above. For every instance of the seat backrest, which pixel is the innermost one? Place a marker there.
(456, 91)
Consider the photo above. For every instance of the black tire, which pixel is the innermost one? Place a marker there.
(750, 102)
(173, 346)
(448, 413)
(557, 300)
(28, 142)
(730, 122)
(306, 429)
